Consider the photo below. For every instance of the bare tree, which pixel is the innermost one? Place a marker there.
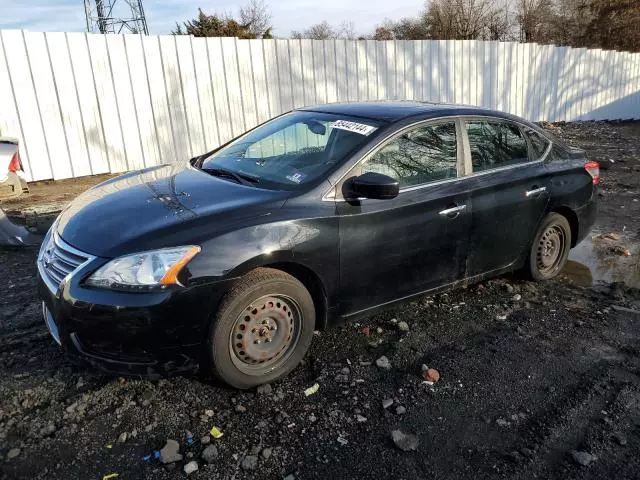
(408, 28)
(347, 30)
(383, 33)
(611, 24)
(535, 19)
(411, 28)
(499, 24)
(465, 20)
(257, 15)
(319, 31)
(325, 31)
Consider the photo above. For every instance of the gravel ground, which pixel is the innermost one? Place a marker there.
(536, 381)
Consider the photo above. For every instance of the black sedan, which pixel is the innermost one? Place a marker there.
(230, 261)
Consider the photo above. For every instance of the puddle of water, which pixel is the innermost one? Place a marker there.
(594, 261)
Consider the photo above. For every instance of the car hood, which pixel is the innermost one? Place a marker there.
(161, 207)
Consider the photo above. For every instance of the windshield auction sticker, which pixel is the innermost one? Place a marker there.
(296, 177)
(354, 127)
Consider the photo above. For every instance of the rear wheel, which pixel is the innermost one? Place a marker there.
(262, 330)
(550, 248)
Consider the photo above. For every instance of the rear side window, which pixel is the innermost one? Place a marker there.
(539, 144)
(422, 155)
(495, 145)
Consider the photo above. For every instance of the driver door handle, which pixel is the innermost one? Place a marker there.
(453, 211)
(535, 191)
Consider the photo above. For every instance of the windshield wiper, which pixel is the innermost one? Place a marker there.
(241, 178)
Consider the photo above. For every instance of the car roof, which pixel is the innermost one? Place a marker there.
(395, 110)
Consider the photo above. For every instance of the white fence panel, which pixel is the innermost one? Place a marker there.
(111, 133)
(174, 94)
(83, 104)
(50, 114)
(34, 150)
(133, 153)
(260, 83)
(166, 148)
(219, 81)
(204, 93)
(141, 94)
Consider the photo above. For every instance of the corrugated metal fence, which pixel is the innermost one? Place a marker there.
(84, 104)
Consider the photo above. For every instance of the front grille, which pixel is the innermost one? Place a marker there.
(57, 260)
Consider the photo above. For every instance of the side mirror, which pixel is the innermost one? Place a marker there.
(374, 185)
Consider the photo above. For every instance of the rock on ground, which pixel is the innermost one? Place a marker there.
(13, 453)
(191, 467)
(404, 441)
(170, 453)
(250, 462)
(383, 363)
(210, 454)
(264, 389)
(583, 458)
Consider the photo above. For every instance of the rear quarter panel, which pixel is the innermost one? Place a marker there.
(570, 184)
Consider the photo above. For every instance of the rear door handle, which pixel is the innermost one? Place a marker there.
(536, 191)
(453, 211)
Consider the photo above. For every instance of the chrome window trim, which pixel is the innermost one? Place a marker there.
(502, 169)
(465, 177)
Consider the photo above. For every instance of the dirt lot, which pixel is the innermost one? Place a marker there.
(49, 196)
(536, 380)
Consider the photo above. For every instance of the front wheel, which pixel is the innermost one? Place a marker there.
(550, 248)
(262, 330)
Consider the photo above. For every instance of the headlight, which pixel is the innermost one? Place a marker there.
(144, 270)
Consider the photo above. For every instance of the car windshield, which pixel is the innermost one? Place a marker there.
(291, 150)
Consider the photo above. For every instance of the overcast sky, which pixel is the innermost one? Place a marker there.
(68, 15)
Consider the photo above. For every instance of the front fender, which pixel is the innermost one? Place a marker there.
(311, 243)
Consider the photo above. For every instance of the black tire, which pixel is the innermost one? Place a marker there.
(550, 248)
(265, 310)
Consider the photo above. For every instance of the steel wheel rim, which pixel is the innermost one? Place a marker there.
(265, 334)
(550, 250)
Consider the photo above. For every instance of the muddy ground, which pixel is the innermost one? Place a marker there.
(536, 380)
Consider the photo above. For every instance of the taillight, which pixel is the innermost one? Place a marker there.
(593, 169)
(15, 164)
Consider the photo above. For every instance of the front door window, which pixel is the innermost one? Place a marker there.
(419, 156)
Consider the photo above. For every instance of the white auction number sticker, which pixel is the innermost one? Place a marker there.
(354, 127)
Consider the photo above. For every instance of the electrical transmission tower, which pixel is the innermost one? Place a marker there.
(115, 16)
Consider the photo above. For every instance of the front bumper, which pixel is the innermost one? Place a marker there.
(146, 335)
